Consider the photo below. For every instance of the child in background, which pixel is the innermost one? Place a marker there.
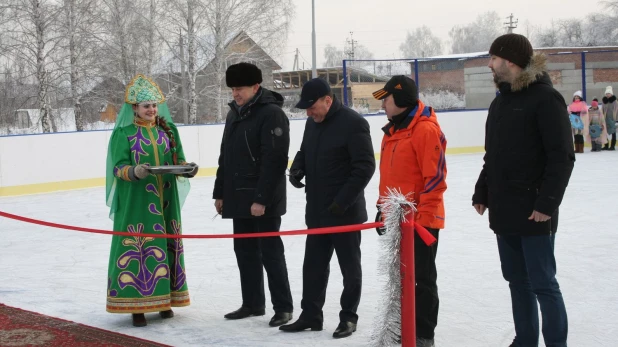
(597, 131)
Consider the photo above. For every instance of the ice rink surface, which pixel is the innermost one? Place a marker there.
(63, 273)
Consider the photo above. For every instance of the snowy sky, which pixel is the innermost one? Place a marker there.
(382, 28)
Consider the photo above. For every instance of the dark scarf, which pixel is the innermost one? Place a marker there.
(398, 119)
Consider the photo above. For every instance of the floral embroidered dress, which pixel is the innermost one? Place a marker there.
(145, 274)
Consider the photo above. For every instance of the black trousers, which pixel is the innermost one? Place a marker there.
(427, 301)
(254, 253)
(316, 269)
(578, 138)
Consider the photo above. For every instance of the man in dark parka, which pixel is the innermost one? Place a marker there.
(527, 166)
(337, 160)
(250, 188)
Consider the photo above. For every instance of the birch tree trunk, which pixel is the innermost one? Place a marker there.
(41, 69)
(71, 18)
(151, 37)
(192, 51)
(183, 79)
(219, 60)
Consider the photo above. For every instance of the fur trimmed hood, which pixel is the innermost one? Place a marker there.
(536, 70)
(609, 100)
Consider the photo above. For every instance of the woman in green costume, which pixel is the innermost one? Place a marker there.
(146, 274)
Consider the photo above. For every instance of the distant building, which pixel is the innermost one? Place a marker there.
(361, 84)
(468, 74)
(240, 48)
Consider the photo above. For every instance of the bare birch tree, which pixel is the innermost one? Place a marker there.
(206, 26)
(593, 30)
(30, 35)
(183, 18)
(77, 24)
(421, 43)
(124, 41)
(478, 35)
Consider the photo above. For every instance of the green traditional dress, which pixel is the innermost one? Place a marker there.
(145, 274)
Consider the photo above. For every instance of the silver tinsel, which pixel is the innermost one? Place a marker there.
(387, 326)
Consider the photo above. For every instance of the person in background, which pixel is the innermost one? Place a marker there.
(610, 110)
(579, 113)
(595, 128)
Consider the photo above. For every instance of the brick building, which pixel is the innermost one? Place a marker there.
(568, 67)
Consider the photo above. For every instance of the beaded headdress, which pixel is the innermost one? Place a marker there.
(143, 89)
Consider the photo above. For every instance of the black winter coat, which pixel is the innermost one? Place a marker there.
(529, 154)
(338, 159)
(253, 158)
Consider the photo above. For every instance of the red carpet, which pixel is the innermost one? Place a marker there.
(24, 328)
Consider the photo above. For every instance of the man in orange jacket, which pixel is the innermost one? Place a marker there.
(413, 161)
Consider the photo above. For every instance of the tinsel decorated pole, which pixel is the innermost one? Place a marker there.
(395, 323)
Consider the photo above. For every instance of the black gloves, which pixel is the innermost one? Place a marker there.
(381, 230)
(295, 176)
(335, 209)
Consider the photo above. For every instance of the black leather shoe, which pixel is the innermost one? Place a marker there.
(139, 320)
(280, 318)
(245, 312)
(301, 325)
(344, 329)
(166, 314)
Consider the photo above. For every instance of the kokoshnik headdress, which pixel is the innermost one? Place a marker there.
(140, 89)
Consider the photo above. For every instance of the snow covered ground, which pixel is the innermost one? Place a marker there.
(63, 273)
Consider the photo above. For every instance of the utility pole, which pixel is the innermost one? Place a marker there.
(314, 70)
(510, 25)
(295, 65)
(349, 50)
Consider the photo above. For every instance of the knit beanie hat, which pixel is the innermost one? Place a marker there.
(578, 94)
(514, 48)
(609, 90)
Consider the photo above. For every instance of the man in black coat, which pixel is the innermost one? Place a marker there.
(337, 159)
(250, 188)
(528, 162)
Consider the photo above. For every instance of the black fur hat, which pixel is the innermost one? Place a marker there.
(243, 75)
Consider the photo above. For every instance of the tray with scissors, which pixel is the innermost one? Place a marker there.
(170, 169)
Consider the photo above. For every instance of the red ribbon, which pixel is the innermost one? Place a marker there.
(316, 231)
(425, 235)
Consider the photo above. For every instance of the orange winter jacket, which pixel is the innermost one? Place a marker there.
(412, 160)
